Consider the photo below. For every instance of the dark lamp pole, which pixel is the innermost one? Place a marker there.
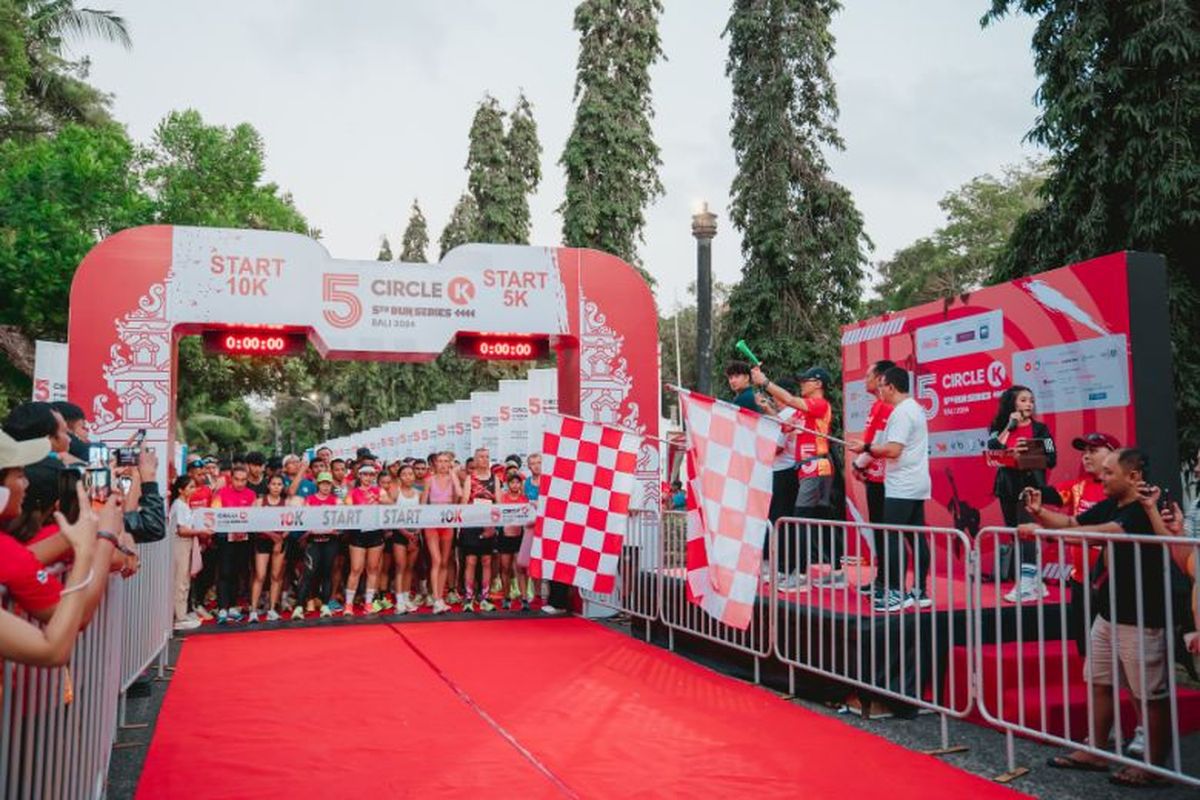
(704, 228)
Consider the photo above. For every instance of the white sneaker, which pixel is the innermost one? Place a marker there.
(440, 607)
(1137, 745)
(1027, 590)
(254, 616)
(187, 624)
(792, 583)
(551, 610)
(272, 615)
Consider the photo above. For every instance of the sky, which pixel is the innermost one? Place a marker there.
(365, 106)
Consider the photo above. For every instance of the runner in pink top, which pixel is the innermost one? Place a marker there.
(441, 487)
(366, 547)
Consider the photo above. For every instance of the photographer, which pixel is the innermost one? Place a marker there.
(146, 517)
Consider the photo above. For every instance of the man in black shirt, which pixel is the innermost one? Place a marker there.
(256, 472)
(738, 375)
(1139, 640)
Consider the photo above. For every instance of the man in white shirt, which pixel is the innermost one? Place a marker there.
(906, 487)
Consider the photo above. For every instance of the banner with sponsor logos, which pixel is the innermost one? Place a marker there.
(373, 517)
(49, 371)
(1090, 340)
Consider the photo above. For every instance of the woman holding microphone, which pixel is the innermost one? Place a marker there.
(1014, 434)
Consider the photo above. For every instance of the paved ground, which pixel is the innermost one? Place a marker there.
(985, 754)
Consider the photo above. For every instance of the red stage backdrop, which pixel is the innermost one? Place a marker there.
(1090, 339)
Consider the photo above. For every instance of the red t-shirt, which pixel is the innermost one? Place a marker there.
(229, 497)
(24, 577)
(819, 418)
(509, 497)
(876, 421)
(363, 496)
(201, 497)
(1078, 496)
(1019, 433)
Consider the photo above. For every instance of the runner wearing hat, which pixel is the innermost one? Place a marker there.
(366, 547)
(320, 546)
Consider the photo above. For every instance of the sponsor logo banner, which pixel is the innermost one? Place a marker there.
(977, 333)
(370, 518)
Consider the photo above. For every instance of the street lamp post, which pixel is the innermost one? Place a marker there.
(704, 228)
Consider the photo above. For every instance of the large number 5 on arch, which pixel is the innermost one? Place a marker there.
(333, 290)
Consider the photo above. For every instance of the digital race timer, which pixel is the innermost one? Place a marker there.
(502, 346)
(254, 342)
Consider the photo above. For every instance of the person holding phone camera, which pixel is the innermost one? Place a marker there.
(1014, 432)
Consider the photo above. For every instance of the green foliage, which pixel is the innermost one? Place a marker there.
(58, 197)
(42, 90)
(415, 245)
(802, 237)
(962, 254)
(503, 169)
(463, 225)
(1120, 114)
(683, 320)
(611, 159)
(385, 250)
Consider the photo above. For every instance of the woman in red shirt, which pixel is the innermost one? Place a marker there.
(366, 547)
(509, 544)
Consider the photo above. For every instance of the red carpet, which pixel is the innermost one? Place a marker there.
(561, 708)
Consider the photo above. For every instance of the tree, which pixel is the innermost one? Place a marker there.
(681, 324)
(59, 196)
(503, 170)
(415, 245)
(1120, 115)
(385, 250)
(610, 159)
(802, 237)
(41, 89)
(463, 226)
(962, 254)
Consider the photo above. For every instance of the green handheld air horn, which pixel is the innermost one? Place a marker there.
(745, 350)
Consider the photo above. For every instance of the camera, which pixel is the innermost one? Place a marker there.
(128, 456)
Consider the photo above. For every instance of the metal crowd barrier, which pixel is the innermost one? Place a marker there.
(1047, 677)
(680, 614)
(148, 612)
(57, 725)
(635, 592)
(825, 622)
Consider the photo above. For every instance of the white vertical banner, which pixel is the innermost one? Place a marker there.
(406, 434)
(462, 429)
(49, 371)
(489, 406)
(515, 394)
(504, 423)
(543, 400)
(445, 418)
(477, 404)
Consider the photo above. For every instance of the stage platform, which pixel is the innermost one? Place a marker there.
(517, 708)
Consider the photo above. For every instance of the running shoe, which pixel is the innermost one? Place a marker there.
(551, 610)
(525, 607)
(400, 609)
(253, 617)
(235, 615)
(378, 605)
(1027, 590)
(272, 615)
(514, 591)
(918, 598)
(326, 611)
(222, 617)
(347, 611)
(186, 624)
(298, 612)
(335, 606)
(468, 606)
(202, 613)
(410, 606)
(440, 607)
(453, 598)
(385, 603)
(889, 601)
(486, 605)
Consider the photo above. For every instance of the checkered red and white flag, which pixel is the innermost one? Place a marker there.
(730, 456)
(583, 502)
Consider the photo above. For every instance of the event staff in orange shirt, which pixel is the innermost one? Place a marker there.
(814, 497)
(1075, 497)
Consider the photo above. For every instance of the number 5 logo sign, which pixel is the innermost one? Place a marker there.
(926, 391)
(348, 308)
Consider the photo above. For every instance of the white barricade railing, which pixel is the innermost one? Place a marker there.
(680, 614)
(1033, 696)
(148, 610)
(57, 724)
(825, 620)
(637, 571)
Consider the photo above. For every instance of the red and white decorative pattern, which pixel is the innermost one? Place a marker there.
(583, 503)
(730, 456)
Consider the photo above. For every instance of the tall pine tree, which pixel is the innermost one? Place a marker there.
(385, 250)
(463, 226)
(415, 245)
(1120, 99)
(802, 237)
(503, 169)
(610, 159)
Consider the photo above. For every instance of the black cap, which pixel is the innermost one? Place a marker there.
(364, 452)
(816, 374)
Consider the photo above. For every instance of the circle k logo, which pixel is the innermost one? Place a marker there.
(460, 291)
(996, 375)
